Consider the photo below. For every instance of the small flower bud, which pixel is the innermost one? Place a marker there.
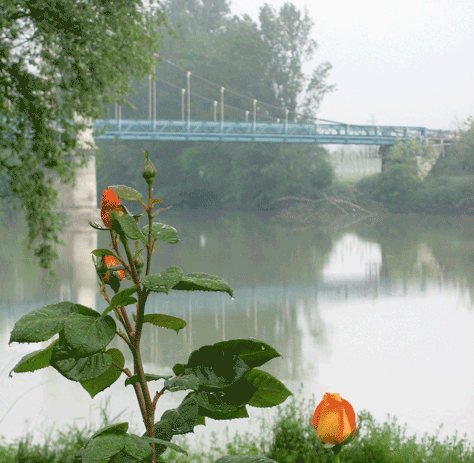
(148, 171)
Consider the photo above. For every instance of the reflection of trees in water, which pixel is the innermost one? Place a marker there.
(427, 248)
(288, 320)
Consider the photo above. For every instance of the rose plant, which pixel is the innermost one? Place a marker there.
(222, 378)
(335, 423)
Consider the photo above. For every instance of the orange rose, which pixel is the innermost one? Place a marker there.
(334, 420)
(111, 262)
(110, 202)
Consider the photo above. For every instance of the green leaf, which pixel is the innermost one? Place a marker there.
(44, 323)
(270, 391)
(126, 193)
(34, 361)
(203, 282)
(243, 459)
(219, 415)
(137, 447)
(163, 232)
(77, 368)
(252, 351)
(106, 379)
(118, 428)
(179, 368)
(165, 321)
(218, 365)
(163, 281)
(148, 377)
(128, 225)
(182, 383)
(175, 447)
(104, 252)
(103, 447)
(225, 400)
(122, 298)
(97, 227)
(88, 334)
(163, 432)
(127, 301)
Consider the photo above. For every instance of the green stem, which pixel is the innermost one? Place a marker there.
(337, 458)
(143, 394)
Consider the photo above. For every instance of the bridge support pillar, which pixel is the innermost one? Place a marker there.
(383, 153)
(79, 205)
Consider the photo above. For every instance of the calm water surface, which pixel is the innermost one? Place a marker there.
(379, 312)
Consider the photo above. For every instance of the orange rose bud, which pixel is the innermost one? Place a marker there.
(334, 420)
(110, 202)
(111, 262)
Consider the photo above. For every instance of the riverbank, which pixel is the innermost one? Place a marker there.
(292, 440)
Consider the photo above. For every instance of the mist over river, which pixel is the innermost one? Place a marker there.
(380, 312)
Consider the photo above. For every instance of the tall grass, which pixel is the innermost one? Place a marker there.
(290, 439)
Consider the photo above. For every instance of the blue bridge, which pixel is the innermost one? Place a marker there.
(319, 131)
(263, 132)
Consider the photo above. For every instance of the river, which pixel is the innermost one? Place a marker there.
(378, 311)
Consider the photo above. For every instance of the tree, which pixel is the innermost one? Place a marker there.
(239, 55)
(58, 59)
(288, 37)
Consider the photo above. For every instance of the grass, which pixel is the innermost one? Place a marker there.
(292, 440)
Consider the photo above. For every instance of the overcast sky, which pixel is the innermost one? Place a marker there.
(405, 62)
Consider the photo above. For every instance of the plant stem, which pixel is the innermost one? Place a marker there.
(141, 389)
(337, 458)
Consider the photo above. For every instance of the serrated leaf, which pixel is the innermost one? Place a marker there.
(136, 447)
(43, 323)
(127, 301)
(175, 447)
(118, 428)
(163, 232)
(270, 391)
(106, 379)
(163, 281)
(103, 447)
(203, 282)
(89, 334)
(126, 193)
(79, 369)
(34, 361)
(148, 377)
(122, 298)
(128, 225)
(252, 351)
(165, 321)
(182, 383)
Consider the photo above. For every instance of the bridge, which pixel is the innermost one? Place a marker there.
(277, 130)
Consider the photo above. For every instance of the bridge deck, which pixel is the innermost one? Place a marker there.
(127, 129)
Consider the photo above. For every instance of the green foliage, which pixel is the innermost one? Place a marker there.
(247, 59)
(80, 59)
(223, 377)
(442, 195)
(289, 439)
(399, 181)
(459, 156)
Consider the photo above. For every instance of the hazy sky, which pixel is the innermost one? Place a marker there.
(405, 62)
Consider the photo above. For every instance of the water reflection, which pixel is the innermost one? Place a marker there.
(355, 312)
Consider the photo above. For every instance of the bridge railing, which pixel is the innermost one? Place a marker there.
(129, 129)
